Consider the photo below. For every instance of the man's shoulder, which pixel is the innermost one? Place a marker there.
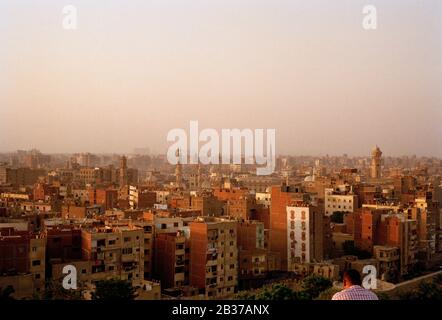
(341, 295)
(355, 293)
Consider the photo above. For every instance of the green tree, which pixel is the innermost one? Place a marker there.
(327, 294)
(113, 289)
(438, 279)
(313, 285)
(55, 291)
(6, 293)
(245, 295)
(425, 291)
(276, 292)
(383, 296)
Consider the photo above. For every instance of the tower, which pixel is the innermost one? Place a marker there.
(198, 177)
(375, 169)
(178, 171)
(123, 171)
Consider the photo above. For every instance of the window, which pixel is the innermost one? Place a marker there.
(111, 242)
(37, 276)
(126, 239)
(36, 263)
(303, 215)
(175, 224)
(34, 249)
(127, 250)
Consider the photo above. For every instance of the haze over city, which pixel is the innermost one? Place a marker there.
(133, 70)
(195, 151)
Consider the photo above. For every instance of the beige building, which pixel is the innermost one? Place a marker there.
(149, 234)
(116, 252)
(336, 201)
(389, 259)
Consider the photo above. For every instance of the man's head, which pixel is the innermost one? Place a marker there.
(352, 277)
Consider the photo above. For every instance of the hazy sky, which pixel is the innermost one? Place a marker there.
(136, 69)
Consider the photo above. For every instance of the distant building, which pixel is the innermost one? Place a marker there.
(375, 168)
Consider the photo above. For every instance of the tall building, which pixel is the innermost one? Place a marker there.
(169, 261)
(398, 231)
(365, 227)
(282, 196)
(22, 262)
(305, 234)
(149, 234)
(214, 256)
(123, 171)
(428, 219)
(115, 252)
(375, 168)
(179, 172)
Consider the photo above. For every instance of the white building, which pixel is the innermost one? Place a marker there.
(339, 201)
(263, 198)
(304, 234)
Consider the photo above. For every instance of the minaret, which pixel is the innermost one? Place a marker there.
(198, 176)
(375, 169)
(178, 171)
(123, 171)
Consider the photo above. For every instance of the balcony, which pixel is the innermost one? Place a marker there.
(128, 257)
(179, 262)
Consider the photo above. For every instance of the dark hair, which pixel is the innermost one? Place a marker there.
(353, 276)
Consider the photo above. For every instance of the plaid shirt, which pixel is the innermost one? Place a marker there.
(355, 293)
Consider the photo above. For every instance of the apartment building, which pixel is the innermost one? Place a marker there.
(169, 261)
(214, 256)
(22, 262)
(117, 252)
(282, 196)
(305, 234)
(337, 201)
(149, 234)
